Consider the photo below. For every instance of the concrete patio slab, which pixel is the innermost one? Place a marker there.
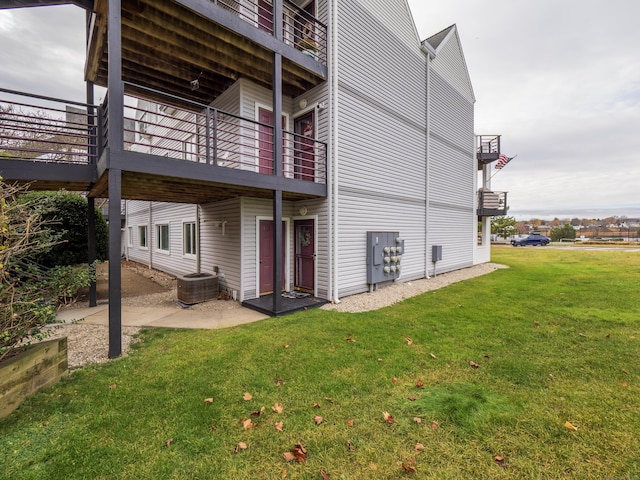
(164, 317)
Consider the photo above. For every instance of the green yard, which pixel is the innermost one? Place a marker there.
(477, 381)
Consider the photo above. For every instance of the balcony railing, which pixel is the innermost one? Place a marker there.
(219, 138)
(46, 129)
(491, 204)
(487, 148)
(300, 29)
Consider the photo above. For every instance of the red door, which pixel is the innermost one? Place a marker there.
(266, 256)
(304, 255)
(304, 154)
(265, 141)
(265, 16)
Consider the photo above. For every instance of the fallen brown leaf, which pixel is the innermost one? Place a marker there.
(279, 382)
(499, 459)
(318, 419)
(112, 386)
(316, 405)
(412, 398)
(379, 360)
(247, 396)
(208, 400)
(248, 424)
(624, 384)
(394, 380)
(432, 355)
(325, 476)
(409, 466)
(419, 384)
(373, 466)
(240, 446)
(299, 453)
(168, 443)
(350, 447)
(280, 426)
(419, 447)
(582, 334)
(387, 417)
(409, 341)
(350, 422)
(257, 413)
(286, 345)
(474, 364)
(570, 426)
(608, 335)
(284, 473)
(328, 399)
(288, 457)
(417, 419)
(277, 407)
(351, 340)
(435, 425)
(625, 371)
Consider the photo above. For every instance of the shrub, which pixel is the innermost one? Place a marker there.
(29, 292)
(66, 215)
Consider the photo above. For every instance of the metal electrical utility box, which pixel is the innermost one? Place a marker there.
(384, 256)
(436, 253)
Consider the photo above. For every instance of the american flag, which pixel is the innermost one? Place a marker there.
(502, 161)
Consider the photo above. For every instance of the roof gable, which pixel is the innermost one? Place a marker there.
(449, 60)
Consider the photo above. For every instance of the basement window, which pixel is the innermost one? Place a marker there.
(189, 238)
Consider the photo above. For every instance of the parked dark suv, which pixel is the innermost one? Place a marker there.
(534, 239)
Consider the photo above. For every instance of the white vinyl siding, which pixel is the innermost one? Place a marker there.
(382, 137)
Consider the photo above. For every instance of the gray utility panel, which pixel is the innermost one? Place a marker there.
(384, 255)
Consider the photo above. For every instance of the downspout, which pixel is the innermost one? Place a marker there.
(429, 53)
(333, 147)
(198, 266)
(150, 235)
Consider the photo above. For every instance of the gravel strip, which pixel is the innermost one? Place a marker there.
(90, 343)
(396, 292)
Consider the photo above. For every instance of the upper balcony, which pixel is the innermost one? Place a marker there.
(195, 49)
(173, 154)
(487, 149)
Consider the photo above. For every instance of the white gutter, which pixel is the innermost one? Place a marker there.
(332, 168)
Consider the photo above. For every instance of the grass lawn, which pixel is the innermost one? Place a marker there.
(556, 339)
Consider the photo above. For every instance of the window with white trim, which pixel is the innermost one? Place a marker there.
(189, 238)
(142, 236)
(130, 236)
(162, 237)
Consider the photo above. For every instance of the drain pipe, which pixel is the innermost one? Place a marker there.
(333, 139)
(198, 258)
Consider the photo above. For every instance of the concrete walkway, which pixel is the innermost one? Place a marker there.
(163, 317)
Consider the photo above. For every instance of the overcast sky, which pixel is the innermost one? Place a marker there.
(558, 79)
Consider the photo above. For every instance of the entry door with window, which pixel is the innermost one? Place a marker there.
(304, 149)
(305, 257)
(265, 141)
(266, 256)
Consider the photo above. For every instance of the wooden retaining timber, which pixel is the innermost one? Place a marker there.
(38, 367)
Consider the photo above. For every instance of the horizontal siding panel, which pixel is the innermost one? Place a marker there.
(454, 230)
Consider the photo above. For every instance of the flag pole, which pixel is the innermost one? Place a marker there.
(501, 169)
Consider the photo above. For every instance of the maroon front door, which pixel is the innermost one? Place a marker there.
(304, 154)
(265, 141)
(265, 16)
(266, 256)
(304, 255)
